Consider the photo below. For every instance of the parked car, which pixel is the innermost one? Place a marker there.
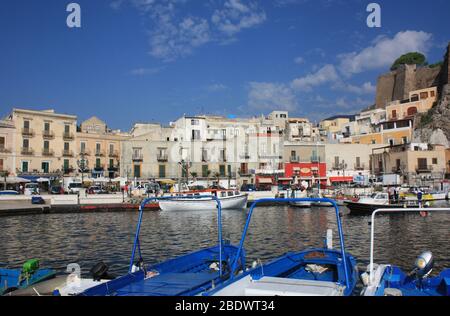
(97, 190)
(31, 189)
(248, 188)
(75, 187)
(56, 189)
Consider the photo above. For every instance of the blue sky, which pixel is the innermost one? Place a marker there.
(155, 60)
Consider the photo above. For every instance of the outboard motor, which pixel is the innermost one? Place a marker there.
(100, 272)
(424, 265)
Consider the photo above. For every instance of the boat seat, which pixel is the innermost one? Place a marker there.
(169, 284)
(270, 286)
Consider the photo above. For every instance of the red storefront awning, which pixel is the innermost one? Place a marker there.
(341, 179)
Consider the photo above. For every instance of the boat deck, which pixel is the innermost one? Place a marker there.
(170, 284)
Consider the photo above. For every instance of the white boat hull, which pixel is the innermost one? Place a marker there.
(233, 202)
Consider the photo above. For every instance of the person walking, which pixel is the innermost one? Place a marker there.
(419, 197)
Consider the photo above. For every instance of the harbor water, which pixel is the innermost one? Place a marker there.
(60, 239)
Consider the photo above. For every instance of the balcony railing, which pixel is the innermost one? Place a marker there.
(162, 157)
(137, 157)
(85, 152)
(360, 166)
(67, 153)
(27, 132)
(113, 168)
(47, 152)
(294, 159)
(99, 153)
(113, 153)
(68, 136)
(27, 151)
(99, 167)
(68, 170)
(48, 134)
(424, 169)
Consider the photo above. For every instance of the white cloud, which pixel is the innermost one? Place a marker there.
(215, 87)
(299, 60)
(270, 96)
(365, 88)
(145, 71)
(324, 75)
(236, 16)
(384, 51)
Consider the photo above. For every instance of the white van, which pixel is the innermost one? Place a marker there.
(31, 189)
(75, 187)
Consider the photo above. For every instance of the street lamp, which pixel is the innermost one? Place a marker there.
(82, 166)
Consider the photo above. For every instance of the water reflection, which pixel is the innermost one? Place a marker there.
(88, 238)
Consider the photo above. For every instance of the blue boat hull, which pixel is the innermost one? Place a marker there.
(10, 279)
(395, 278)
(187, 275)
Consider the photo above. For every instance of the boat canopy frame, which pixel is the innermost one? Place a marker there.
(295, 200)
(136, 244)
(372, 230)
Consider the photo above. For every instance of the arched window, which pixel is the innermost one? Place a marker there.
(412, 111)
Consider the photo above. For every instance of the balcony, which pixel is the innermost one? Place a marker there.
(26, 151)
(360, 166)
(85, 152)
(137, 157)
(68, 136)
(114, 168)
(424, 169)
(162, 157)
(27, 132)
(113, 154)
(48, 152)
(48, 134)
(99, 153)
(5, 150)
(99, 167)
(67, 153)
(68, 170)
(294, 159)
(315, 159)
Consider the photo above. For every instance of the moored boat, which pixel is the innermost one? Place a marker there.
(367, 205)
(201, 201)
(298, 194)
(312, 272)
(186, 275)
(390, 280)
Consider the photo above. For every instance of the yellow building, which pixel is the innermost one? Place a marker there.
(44, 142)
(414, 162)
(7, 148)
(334, 124)
(420, 101)
(391, 133)
(100, 148)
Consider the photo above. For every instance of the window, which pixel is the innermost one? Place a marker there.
(222, 170)
(97, 163)
(97, 148)
(45, 166)
(423, 95)
(2, 142)
(414, 97)
(195, 122)
(391, 142)
(204, 155)
(66, 165)
(432, 94)
(394, 113)
(26, 124)
(412, 111)
(111, 149)
(205, 171)
(26, 143)
(162, 171)
(67, 128)
(196, 134)
(293, 154)
(435, 161)
(66, 146)
(358, 162)
(422, 163)
(46, 145)
(111, 163)
(222, 155)
(47, 127)
(83, 147)
(397, 164)
(336, 162)
(24, 166)
(229, 170)
(405, 140)
(1, 164)
(244, 168)
(137, 171)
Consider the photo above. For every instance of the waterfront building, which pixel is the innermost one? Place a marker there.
(44, 143)
(301, 130)
(416, 163)
(98, 149)
(305, 162)
(419, 101)
(347, 161)
(389, 132)
(7, 148)
(331, 128)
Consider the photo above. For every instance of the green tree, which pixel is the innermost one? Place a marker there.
(413, 58)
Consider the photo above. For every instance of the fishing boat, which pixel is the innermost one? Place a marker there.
(201, 200)
(187, 275)
(297, 194)
(367, 205)
(313, 272)
(30, 274)
(318, 195)
(390, 280)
